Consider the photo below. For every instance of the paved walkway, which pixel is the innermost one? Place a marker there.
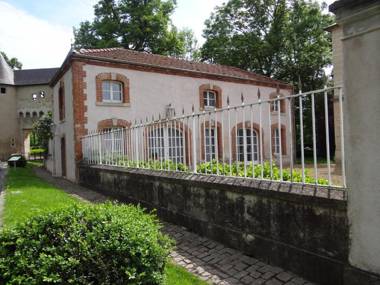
(3, 170)
(210, 260)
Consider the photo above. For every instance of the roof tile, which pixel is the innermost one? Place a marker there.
(136, 57)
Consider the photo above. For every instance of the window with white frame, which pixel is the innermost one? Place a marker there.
(112, 141)
(247, 145)
(209, 98)
(210, 144)
(276, 140)
(166, 144)
(112, 91)
(275, 106)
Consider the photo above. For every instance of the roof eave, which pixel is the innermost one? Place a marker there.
(72, 55)
(102, 59)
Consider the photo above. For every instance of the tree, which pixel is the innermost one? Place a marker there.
(246, 34)
(141, 25)
(284, 39)
(13, 62)
(43, 130)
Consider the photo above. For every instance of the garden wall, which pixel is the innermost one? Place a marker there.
(297, 231)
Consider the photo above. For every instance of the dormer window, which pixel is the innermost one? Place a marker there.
(112, 91)
(209, 99)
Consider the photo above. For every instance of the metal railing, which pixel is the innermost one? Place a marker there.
(269, 140)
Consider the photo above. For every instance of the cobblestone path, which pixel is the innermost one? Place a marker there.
(205, 258)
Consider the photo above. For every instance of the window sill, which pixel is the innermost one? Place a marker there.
(110, 104)
(209, 109)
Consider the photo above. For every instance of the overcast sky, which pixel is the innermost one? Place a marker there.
(39, 32)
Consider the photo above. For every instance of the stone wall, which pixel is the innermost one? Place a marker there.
(304, 234)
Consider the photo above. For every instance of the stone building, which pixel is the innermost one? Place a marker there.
(25, 96)
(101, 89)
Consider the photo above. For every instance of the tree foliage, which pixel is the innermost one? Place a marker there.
(284, 39)
(43, 130)
(141, 25)
(13, 62)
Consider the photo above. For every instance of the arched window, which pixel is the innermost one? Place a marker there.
(112, 88)
(247, 145)
(210, 143)
(112, 141)
(277, 104)
(278, 140)
(166, 144)
(210, 96)
(112, 91)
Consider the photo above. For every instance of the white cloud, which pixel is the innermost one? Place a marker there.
(35, 42)
(192, 14)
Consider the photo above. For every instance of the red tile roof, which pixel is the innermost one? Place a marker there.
(147, 59)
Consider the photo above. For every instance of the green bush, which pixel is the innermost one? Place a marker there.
(37, 151)
(102, 244)
(237, 169)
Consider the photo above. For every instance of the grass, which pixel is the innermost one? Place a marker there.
(27, 195)
(177, 275)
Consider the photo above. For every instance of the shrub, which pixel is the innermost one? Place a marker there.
(237, 169)
(37, 151)
(102, 244)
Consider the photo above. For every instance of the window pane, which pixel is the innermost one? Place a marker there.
(210, 144)
(106, 90)
(116, 96)
(251, 147)
(116, 86)
(116, 91)
(276, 141)
(209, 98)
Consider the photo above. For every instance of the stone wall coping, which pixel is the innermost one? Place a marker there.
(320, 195)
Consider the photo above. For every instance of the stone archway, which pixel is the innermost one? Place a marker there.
(25, 146)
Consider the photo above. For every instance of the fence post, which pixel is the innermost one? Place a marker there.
(194, 144)
(100, 147)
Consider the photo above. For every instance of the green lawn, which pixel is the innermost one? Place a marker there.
(28, 195)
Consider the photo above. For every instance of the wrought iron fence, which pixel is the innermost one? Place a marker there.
(265, 140)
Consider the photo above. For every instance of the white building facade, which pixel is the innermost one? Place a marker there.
(113, 88)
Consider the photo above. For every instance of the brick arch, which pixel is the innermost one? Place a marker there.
(210, 87)
(283, 138)
(247, 125)
(113, 123)
(282, 102)
(112, 77)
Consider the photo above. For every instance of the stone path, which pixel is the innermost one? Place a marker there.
(207, 259)
(3, 170)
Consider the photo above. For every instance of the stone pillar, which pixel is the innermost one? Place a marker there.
(337, 58)
(360, 22)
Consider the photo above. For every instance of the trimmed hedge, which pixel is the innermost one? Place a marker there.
(85, 244)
